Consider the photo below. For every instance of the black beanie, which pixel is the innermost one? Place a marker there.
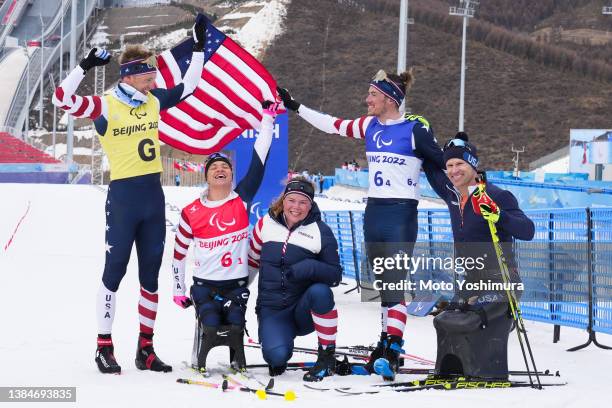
(459, 148)
(215, 157)
(302, 187)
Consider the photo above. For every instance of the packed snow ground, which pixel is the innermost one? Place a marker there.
(49, 276)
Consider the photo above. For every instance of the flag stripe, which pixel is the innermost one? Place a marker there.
(151, 297)
(195, 125)
(253, 72)
(183, 231)
(169, 69)
(201, 101)
(188, 126)
(235, 105)
(205, 138)
(254, 64)
(240, 84)
(150, 314)
(178, 255)
(83, 107)
(194, 111)
(180, 243)
(213, 98)
(349, 128)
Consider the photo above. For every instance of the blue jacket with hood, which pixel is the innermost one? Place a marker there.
(291, 259)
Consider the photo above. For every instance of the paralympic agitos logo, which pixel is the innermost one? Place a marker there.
(138, 115)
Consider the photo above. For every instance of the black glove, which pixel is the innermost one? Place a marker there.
(343, 367)
(199, 35)
(95, 58)
(288, 100)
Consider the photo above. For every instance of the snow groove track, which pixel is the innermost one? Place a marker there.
(8, 243)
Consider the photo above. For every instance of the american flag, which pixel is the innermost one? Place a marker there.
(227, 100)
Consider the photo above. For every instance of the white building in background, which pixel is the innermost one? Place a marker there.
(588, 148)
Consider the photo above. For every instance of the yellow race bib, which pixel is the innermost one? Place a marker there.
(131, 141)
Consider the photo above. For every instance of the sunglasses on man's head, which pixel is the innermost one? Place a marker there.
(458, 143)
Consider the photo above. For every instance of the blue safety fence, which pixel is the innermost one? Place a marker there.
(343, 227)
(554, 268)
(556, 191)
(534, 195)
(328, 181)
(601, 237)
(352, 178)
(566, 269)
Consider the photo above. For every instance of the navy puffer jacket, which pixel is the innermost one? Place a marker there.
(471, 233)
(290, 260)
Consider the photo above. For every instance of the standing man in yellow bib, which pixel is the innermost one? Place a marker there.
(126, 120)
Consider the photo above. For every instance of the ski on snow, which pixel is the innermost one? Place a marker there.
(441, 384)
(357, 352)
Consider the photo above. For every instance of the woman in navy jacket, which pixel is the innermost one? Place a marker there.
(296, 255)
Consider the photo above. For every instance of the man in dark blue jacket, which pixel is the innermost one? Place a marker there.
(470, 213)
(475, 326)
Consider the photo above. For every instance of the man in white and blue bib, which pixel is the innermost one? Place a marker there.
(397, 144)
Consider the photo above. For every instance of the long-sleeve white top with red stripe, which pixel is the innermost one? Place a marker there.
(395, 149)
(354, 128)
(95, 107)
(219, 230)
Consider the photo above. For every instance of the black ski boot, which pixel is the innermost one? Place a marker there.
(236, 346)
(376, 353)
(146, 359)
(388, 365)
(325, 365)
(274, 371)
(105, 357)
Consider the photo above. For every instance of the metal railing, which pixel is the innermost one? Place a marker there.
(6, 30)
(19, 106)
